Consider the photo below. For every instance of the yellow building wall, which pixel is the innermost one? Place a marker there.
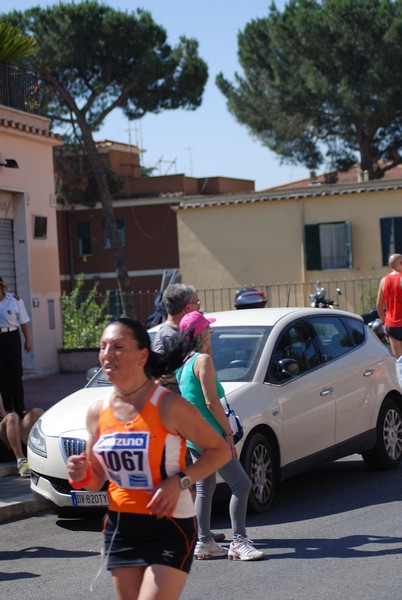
(263, 242)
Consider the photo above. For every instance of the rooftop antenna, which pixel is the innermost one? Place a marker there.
(169, 162)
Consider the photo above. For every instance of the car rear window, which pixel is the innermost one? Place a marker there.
(334, 337)
(356, 328)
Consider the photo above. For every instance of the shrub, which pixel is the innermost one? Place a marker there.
(84, 317)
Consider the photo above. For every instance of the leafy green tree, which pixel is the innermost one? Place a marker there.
(322, 79)
(84, 318)
(74, 179)
(14, 46)
(93, 59)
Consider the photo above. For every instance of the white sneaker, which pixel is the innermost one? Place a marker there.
(243, 549)
(23, 468)
(205, 550)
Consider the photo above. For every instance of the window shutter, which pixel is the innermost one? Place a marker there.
(348, 235)
(398, 234)
(312, 247)
(387, 239)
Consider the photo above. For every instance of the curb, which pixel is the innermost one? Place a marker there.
(17, 508)
(8, 468)
(16, 499)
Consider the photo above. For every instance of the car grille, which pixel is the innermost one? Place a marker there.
(72, 446)
(69, 446)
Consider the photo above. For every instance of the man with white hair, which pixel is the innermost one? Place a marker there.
(179, 299)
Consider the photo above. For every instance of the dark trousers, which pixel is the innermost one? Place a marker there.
(11, 387)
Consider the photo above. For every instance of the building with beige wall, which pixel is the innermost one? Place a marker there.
(305, 234)
(29, 259)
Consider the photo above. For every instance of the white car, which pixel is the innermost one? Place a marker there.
(310, 385)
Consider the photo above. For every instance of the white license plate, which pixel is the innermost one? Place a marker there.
(93, 499)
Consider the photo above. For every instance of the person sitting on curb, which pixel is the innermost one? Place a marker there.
(14, 437)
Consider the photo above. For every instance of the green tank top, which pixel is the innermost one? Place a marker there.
(191, 390)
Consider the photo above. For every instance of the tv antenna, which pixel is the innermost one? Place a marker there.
(170, 163)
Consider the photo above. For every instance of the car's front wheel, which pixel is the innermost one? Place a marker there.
(387, 453)
(258, 460)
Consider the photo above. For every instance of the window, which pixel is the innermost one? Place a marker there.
(334, 338)
(84, 239)
(391, 237)
(120, 230)
(40, 228)
(297, 343)
(237, 350)
(356, 330)
(328, 246)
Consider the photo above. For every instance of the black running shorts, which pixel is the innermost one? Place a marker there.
(134, 540)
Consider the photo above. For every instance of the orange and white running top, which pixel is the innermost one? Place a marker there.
(138, 455)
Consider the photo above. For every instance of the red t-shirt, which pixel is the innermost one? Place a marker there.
(393, 300)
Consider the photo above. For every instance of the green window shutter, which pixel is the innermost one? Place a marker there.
(398, 234)
(348, 235)
(387, 241)
(391, 237)
(312, 247)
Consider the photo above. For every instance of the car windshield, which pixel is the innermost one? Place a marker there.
(237, 350)
(236, 353)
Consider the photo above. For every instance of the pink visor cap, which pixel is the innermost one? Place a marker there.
(196, 322)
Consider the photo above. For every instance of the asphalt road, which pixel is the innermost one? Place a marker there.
(334, 534)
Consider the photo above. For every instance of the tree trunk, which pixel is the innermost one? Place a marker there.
(123, 279)
(366, 159)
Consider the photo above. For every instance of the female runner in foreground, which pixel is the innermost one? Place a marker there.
(137, 440)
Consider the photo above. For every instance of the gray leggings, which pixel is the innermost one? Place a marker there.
(236, 478)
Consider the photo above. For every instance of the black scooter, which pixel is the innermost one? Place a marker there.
(318, 299)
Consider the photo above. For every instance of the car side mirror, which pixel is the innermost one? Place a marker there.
(91, 373)
(286, 368)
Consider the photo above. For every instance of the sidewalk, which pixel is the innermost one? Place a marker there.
(16, 500)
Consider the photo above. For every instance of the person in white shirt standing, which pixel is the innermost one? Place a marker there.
(13, 315)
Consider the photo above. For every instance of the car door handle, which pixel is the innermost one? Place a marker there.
(327, 391)
(368, 372)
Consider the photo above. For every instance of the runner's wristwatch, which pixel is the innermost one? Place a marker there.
(185, 481)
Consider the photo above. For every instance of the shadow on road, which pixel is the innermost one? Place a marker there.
(330, 489)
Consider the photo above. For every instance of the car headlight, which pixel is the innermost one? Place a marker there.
(37, 441)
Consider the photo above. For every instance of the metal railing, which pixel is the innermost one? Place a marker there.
(19, 89)
(357, 295)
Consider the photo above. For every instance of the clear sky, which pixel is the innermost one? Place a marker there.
(208, 141)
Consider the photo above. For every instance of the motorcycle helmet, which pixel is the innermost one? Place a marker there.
(250, 297)
(321, 293)
(377, 327)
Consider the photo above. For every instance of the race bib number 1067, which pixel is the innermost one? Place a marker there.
(124, 456)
